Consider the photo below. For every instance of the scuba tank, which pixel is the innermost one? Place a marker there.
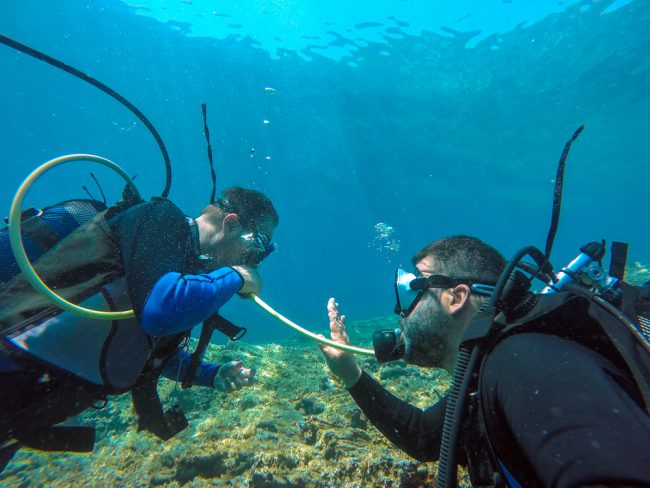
(43, 228)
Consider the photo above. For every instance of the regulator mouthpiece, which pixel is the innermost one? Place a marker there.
(388, 344)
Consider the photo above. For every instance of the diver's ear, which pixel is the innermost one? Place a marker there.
(230, 223)
(458, 298)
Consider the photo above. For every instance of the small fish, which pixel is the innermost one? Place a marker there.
(252, 152)
(266, 121)
(269, 91)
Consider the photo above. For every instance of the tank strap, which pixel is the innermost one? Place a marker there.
(481, 460)
(146, 401)
(150, 413)
(618, 260)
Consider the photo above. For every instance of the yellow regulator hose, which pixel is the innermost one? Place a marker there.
(322, 340)
(18, 249)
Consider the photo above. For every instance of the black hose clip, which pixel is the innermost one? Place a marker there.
(517, 299)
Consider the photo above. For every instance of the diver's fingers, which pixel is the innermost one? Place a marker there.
(332, 308)
(328, 351)
(232, 367)
(247, 373)
(238, 382)
(338, 330)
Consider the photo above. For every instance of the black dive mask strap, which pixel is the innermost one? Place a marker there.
(194, 235)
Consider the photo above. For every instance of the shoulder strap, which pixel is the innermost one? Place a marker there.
(215, 322)
(481, 459)
(628, 341)
(146, 401)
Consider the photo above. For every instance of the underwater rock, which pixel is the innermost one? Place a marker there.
(326, 384)
(394, 371)
(267, 425)
(248, 400)
(159, 479)
(167, 460)
(412, 475)
(260, 480)
(358, 420)
(309, 433)
(637, 273)
(203, 466)
(330, 445)
(311, 406)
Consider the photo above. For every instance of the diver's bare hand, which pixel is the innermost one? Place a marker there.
(232, 376)
(252, 280)
(341, 363)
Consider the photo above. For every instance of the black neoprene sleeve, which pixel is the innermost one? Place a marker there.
(154, 239)
(416, 432)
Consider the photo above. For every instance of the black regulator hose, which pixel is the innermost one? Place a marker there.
(206, 131)
(557, 192)
(109, 91)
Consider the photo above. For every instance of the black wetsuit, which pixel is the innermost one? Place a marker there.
(557, 414)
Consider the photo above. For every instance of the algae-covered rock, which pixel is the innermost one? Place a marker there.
(311, 406)
(204, 466)
(637, 273)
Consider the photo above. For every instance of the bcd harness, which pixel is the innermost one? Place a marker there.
(75, 252)
(578, 314)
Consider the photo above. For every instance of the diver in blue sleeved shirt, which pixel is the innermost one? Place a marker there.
(175, 273)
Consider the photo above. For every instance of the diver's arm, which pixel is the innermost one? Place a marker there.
(178, 302)
(177, 366)
(414, 431)
(227, 377)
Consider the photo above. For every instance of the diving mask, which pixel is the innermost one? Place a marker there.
(409, 289)
(257, 247)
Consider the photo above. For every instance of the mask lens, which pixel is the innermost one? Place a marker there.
(405, 295)
(258, 247)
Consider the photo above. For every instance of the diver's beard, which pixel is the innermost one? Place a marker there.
(426, 333)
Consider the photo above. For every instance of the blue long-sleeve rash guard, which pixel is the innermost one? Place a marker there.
(178, 302)
(177, 366)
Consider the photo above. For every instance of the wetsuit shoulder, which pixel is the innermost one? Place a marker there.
(154, 238)
(562, 413)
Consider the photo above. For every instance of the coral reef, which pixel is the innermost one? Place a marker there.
(295, 427)
(637, 273)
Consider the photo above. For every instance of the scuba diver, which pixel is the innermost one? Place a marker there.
(548, 389)
(175, 272)
(172, 272)
(554, 404)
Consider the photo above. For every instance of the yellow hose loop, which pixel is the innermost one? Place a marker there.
(322, 340)
(16, 241)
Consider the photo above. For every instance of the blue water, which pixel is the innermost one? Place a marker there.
(436, 118)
